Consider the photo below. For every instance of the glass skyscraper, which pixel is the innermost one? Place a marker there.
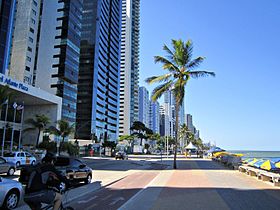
(7, 8)
(68, 58)
(98, 86)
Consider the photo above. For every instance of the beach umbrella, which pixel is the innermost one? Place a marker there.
(247, 160)
(259, 163)
(268, 165)
(277, 165)
(216, 154)
(238, 155)
(251, 163)
(215, 149)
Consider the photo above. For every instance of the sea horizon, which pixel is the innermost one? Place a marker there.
(257, 153)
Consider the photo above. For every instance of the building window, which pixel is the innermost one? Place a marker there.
(34, 12)
(31, 30)
(28, 58)
(27, 68)
(30, 39)
(29, 49)
(35, 3)
(26, 80)
(33, 21)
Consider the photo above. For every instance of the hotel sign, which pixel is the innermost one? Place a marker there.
(13, 83)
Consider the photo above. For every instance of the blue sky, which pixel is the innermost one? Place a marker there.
(240, 107)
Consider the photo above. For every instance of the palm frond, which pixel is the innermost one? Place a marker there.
(195, 63)
(170, 54)
(197, 74)
(161, 78)
(166, 64)
(159, 90)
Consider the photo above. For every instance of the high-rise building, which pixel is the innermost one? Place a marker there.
(46, 48)
(162, 121)
(144, 106)
(129, 75)
(98, 87)
(68, 57)
(7, 8)
(154, 119)
(190, 123)
(44, 57)
(24, 41)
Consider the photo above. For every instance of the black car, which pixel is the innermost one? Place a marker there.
(72, 169)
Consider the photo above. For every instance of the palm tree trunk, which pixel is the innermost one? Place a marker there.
(176, 134)
(59, 150)
(38, 136)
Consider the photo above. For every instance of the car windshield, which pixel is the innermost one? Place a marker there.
(10, 154)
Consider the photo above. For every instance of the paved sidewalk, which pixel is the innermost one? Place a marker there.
(203, 184)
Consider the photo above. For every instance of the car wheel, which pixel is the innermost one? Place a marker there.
(11, 171)
(17, 164)
(11, 200)
(88, 179)
(33, 163)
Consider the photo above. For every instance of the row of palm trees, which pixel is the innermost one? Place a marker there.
(180, 68)
(41, 122)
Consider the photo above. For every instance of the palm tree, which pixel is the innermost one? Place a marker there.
(40, 122)
(140, 129)
(129, 139)
(181, 67)
(184, 130)
(64, 130)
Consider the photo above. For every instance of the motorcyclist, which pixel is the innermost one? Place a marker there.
(39, 190)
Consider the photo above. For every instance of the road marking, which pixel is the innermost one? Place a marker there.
(105, 198)
(86, 201)
(90, 207)
(116, 200)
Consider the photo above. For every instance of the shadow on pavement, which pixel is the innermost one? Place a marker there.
(182, 164)
(180, 198)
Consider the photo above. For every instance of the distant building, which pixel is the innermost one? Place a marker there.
(7, 8)
(154, 119)
(161, 121)
(144, 106)
(129, 69)
(190, 123)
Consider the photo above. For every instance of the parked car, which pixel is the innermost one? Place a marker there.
(11, 193)
(20, 158)
(72, 169)
(7, 167)
(121, 155)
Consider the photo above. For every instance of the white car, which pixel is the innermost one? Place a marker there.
(20, 158)
(11, 193)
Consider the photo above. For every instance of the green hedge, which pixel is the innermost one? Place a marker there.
(68, 147)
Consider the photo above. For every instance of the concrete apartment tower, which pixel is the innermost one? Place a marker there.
(24, 42)
(46, 48)
(129, 74)
(98, 86)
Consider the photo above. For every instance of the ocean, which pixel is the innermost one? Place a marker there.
(257, 154)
